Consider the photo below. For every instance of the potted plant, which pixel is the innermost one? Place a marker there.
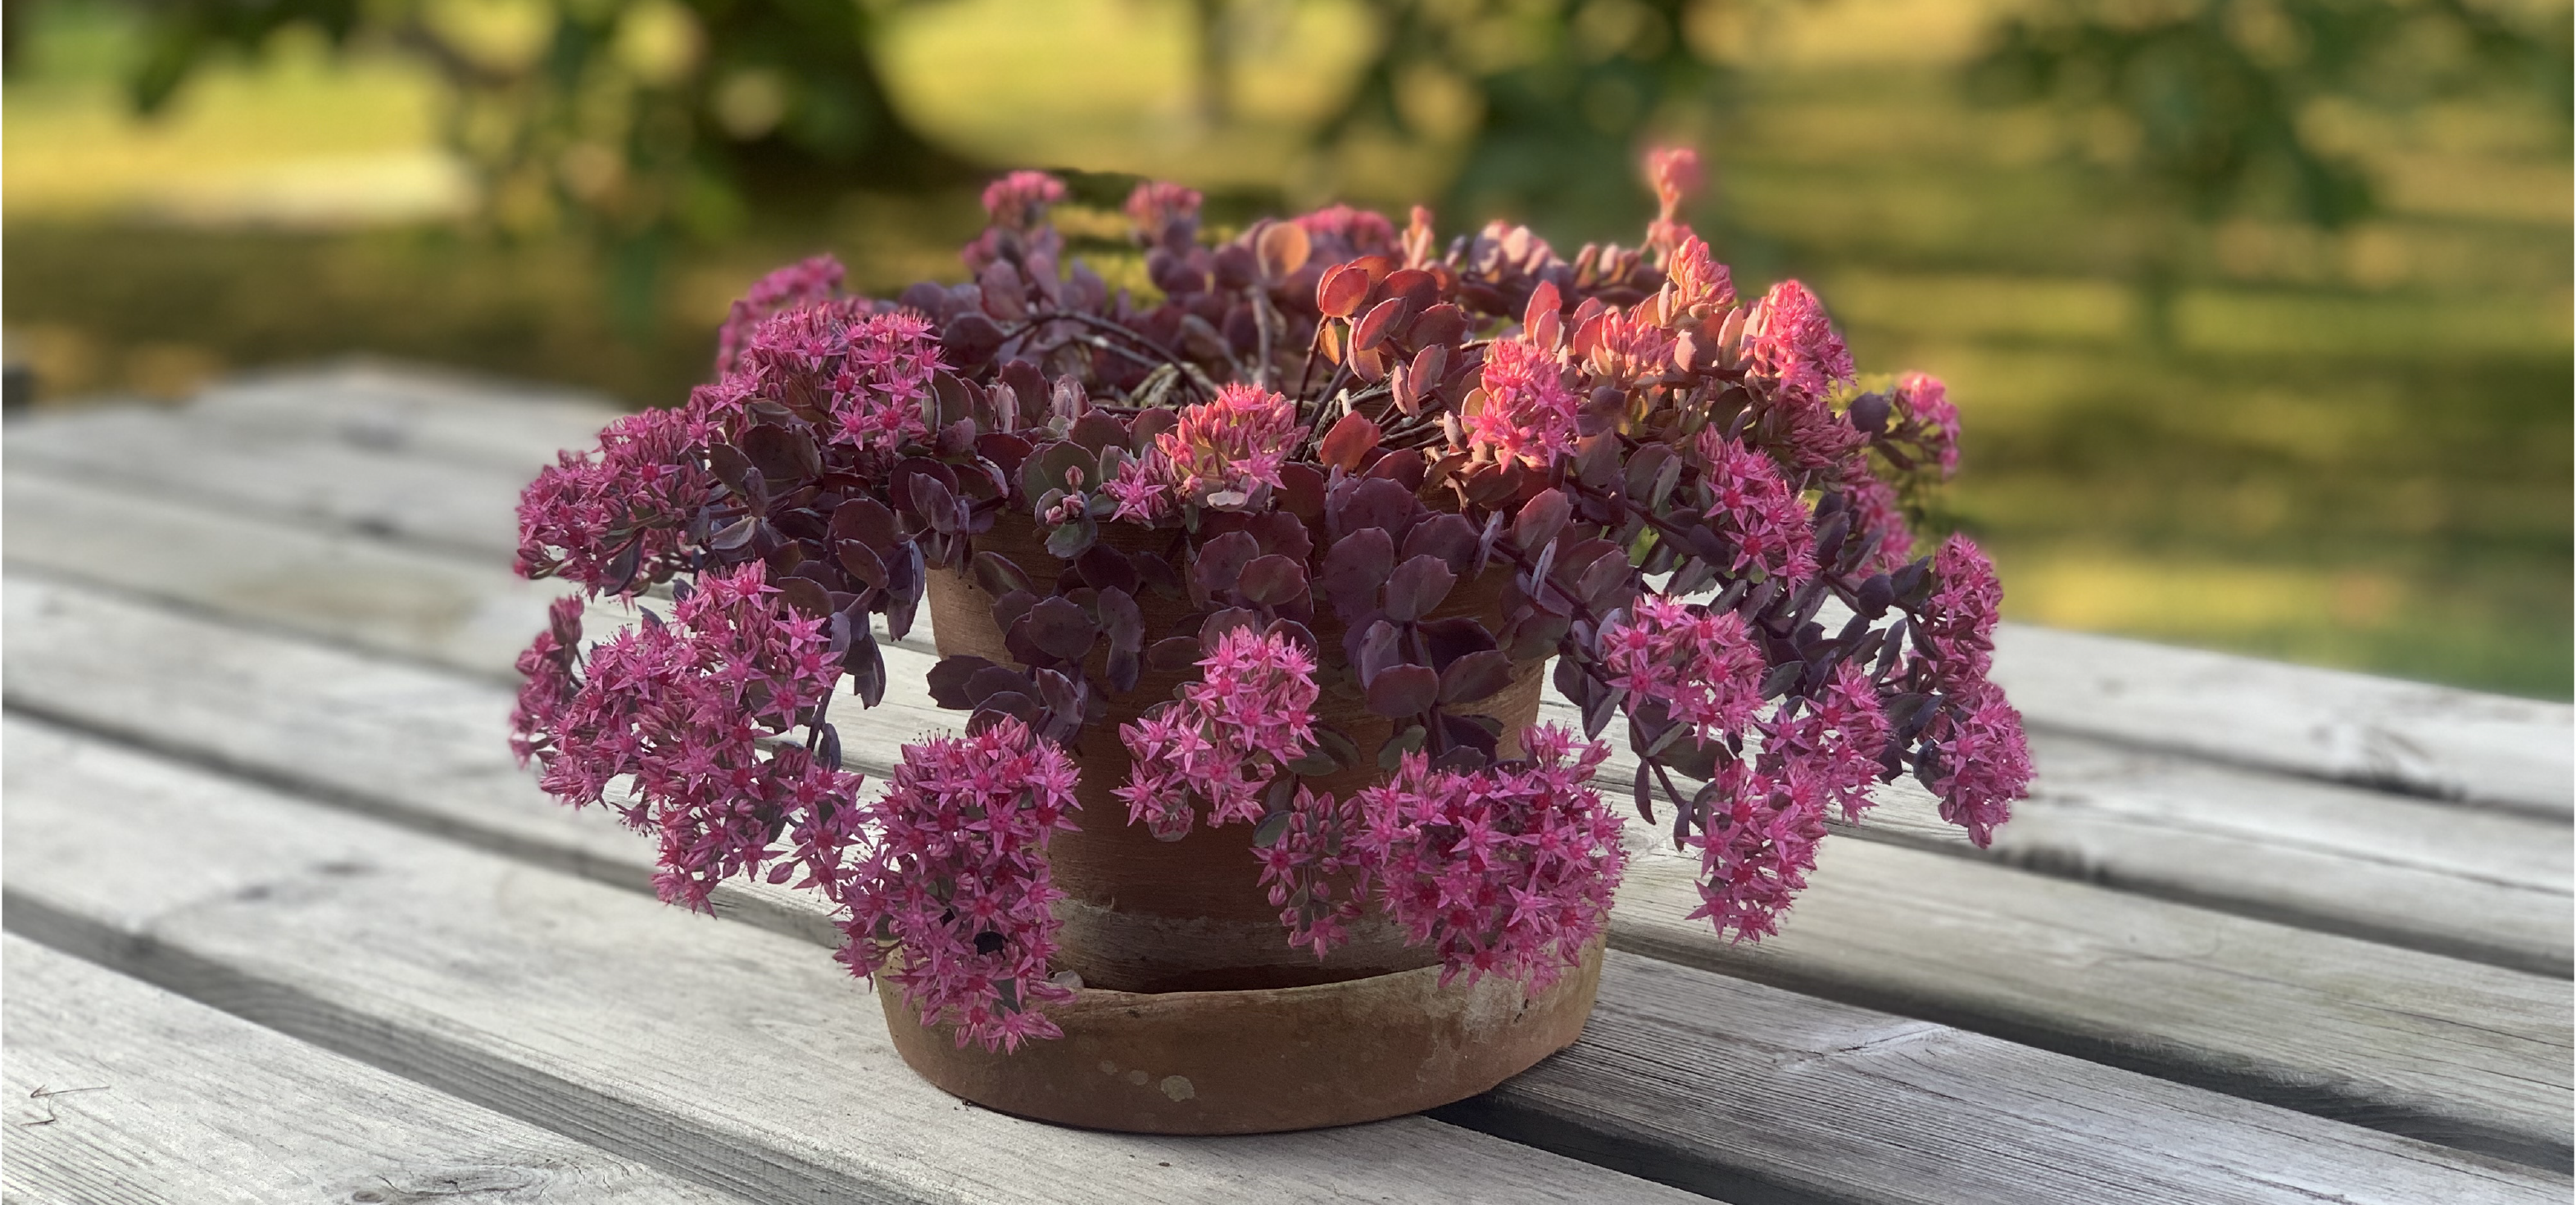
(1245, 590)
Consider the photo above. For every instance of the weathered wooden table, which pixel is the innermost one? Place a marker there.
(284, 922)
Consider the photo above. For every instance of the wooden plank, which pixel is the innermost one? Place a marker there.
(338, 586)
(1925, 1113)
(122, 1092)
(2426, 740)
(307, 479)
(2263, 845)
(364, 591)
(1720, 1085)
(444, 415)
(2380, 881)
(2476, 883)
(2398, 1040)
(2422, 739)
(746, 1060)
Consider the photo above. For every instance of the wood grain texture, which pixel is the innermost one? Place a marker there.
(2268, 844)
(741, 1059)
(2391, 1038)
(2298, 864)
(1727, 1087)
(434, 413)
(2426, 740)
(1890, 1109)
(308, 479)
(149, 1097)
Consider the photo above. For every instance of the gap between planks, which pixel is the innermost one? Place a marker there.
(2118, 817)
(2388, 1038)
(734, 1057)
(2430, 741)
(539, 989)
(122, 1092)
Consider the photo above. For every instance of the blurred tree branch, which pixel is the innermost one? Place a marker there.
(2216, 99)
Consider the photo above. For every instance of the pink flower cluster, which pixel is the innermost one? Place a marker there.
(1757, 838)
(1341, 233)
(1875, 511)
(1697, 284)
(1984, 760)
(1771, 528)
(804, 283)
(1227, 446)
(1225, 739)
(1019, 200)
(869, 372)
(1787, 337)
(1958, 619)
(1318, 869)
(1675, 174)
(1838, 741)
(1701, 665)
(683, 707)
(1508, 869)
(1528, 411)
(957, 880)
(1923, 420)
(1627, 345)
(614, 520)
(1157, 205)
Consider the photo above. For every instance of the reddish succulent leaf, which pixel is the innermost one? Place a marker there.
(1450, 537)
(998, 576)
(782, 455)
(1008, 608)
(1354, 569)
(1403, 690)
(1376, 325)
(1221, 560)
(1454, 637)
(861, 561)
(1374, 503)
(1097, 430)
(1437, 328)
(1176, 654)
(806, 595)
(1106, 568)
(1377, 649)
(1540, 519)
(1284, 248)
(1340, 292)
(1417, 586)
(1003, 294)
(948, 679)
(1475, 676)
(1352, 436)
(1060, 629)
(969, 340)
(1281, 533)
(1273, 581)
(1301, 491)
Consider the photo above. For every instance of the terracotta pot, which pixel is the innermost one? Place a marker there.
(1251, 1062)
(1145, 915)
(1197, 1016)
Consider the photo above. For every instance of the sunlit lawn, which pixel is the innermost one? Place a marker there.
(2351, 449)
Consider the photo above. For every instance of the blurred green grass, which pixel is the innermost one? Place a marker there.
(2348, 449)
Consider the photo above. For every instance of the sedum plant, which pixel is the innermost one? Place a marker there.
(1313, 434)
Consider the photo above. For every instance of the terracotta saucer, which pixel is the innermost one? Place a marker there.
(1252, 1062)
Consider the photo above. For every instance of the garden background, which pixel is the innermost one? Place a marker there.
(2256, 348)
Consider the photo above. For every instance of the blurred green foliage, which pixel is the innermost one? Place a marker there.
(2348, 446)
